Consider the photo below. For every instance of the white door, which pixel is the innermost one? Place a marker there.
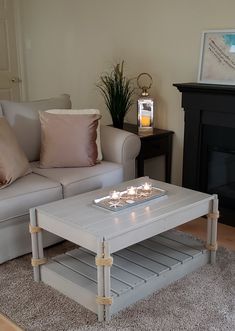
(9, 74)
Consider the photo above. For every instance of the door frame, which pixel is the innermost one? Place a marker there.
(20, 49)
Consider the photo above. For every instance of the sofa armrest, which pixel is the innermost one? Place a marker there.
(121, 147)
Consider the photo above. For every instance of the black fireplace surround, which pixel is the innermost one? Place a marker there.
(209, 143)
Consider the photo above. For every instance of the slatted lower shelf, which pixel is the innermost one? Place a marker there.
(137, 271)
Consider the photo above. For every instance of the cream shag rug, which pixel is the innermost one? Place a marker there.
(203, 300)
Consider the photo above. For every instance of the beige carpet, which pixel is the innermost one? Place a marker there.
(203, 300)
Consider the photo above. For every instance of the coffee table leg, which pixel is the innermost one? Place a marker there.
(37, 245)
(34, 240)
(100, 281)
(107, 282)
(212, 220)
(104, 262)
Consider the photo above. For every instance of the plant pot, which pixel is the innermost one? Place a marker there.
(118, 123)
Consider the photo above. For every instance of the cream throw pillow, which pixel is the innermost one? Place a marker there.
(68, 141)
(83, 112)
(13, 161)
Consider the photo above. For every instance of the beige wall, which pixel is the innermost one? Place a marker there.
(69, 43)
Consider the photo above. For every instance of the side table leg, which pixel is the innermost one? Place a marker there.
(212, 220)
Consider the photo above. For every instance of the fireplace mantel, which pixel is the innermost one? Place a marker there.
(209, 108)
(210, 97)
(205, 88)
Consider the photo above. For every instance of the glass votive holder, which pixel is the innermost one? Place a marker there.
(131, 191)
(147, 187)
(114, 195)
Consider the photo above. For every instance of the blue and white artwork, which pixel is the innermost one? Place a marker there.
(229, 40)
(217, 63)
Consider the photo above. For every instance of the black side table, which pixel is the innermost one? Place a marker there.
(156, 143)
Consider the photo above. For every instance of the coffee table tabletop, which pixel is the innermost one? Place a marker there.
(105, 232)
(79, 220)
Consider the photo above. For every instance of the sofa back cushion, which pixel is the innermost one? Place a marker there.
(13, 162)
(23, 117)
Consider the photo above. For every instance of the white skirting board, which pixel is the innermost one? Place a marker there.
(137, 271)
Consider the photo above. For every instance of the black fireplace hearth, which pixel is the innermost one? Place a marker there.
(209, 143)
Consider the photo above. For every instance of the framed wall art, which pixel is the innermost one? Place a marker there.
(217, 57)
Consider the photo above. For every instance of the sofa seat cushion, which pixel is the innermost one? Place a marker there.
(27, 192)
(79, 180)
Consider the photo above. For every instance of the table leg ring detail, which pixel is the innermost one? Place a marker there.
(104, 300)
(37, 262)
(213, 216)
(101, 261)
(34, 229)
(212, 247)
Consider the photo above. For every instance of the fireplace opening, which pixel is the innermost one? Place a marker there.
(218, 168)
(221, 175)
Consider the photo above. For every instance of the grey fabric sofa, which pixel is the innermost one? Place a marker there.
(119, 149)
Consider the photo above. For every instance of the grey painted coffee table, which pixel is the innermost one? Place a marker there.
(146, 253)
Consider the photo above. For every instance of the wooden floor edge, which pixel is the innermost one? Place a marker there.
(10, 322)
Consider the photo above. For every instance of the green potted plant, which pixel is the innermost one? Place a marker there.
(117, 91)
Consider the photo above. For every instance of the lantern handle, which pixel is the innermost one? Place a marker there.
(144, 88)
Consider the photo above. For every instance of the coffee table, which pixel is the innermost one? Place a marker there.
(146, 253)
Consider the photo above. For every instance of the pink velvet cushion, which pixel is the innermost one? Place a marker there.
(68, 141)
(13, 161)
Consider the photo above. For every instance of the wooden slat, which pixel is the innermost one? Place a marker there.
(184, 239)
(129, 266)
(147, 249)
(89, 272)
(116, 273)
(142, 261)
(177, 246)
(159, 247)
(134, 268)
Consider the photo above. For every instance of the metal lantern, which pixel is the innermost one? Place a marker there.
(145, 105)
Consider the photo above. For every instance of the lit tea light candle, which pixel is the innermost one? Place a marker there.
(114, 195)
(147, 186)
(131, 190)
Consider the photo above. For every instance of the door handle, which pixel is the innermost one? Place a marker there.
(16, 80)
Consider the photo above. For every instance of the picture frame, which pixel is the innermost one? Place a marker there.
(217, 57)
